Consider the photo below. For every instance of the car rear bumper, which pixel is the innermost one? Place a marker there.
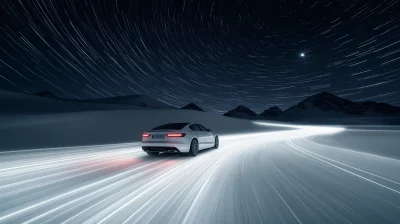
(159, 149)
(165, 147)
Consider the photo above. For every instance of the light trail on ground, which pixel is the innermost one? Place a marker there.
(271, 177)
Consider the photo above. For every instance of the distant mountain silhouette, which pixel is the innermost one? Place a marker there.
(131, 100)
(45, 103)
(241, 112)
(381, 108)
(273, 111)
(192, 106)
(321, 105)
(329, 103)
(47, 94)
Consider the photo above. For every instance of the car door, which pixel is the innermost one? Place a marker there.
(196, 131)
(208, 138)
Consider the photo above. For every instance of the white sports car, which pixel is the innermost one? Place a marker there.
(178, 137)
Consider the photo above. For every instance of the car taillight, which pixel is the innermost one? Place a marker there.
(146, 135)
(175, 135)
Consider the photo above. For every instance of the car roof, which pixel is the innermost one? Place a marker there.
(177, 126)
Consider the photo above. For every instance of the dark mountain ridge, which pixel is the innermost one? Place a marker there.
(272, 111)
(47, 94)
(321, 105)
(130, 100)
(329, 102)
(241, 112)
(192, 106)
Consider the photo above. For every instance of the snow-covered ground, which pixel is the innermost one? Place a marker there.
(20, 104)
(293, 176)
(30, 122)
(105, 127)
(279, 175)
(373, 139)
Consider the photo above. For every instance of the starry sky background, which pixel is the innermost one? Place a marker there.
(215, 53)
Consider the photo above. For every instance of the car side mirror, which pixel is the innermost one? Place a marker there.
(209, 130)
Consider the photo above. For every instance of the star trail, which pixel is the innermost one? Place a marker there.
(217, 54)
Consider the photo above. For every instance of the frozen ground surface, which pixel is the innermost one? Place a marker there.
(75, 162)
(312, 175)
(22, 132)
(31, 122)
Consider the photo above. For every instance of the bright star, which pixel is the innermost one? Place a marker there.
(302, 55)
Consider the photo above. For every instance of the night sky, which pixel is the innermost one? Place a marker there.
(217, 54)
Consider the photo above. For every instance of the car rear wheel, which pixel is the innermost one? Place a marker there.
(153, 153)
(194, 148)
(216, 144)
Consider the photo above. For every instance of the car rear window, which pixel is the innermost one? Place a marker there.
(194, 127)
(171, 126)
(202, 128)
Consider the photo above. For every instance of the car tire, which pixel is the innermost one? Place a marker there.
(216, 143)
(153, 153)
(194, 148)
